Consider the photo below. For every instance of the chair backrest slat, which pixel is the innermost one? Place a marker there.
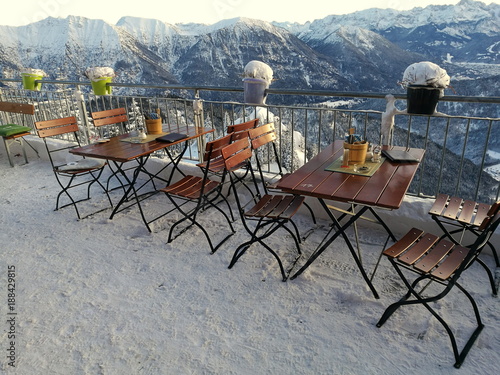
(213, 149)
(236, 153)
(240, 131)
(109, 117)
(26, 109)
(262, 135)
(49, 128)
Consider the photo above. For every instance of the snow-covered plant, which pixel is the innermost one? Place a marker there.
(425, 73)
(34, 72)
(260, 70)
(98, 73)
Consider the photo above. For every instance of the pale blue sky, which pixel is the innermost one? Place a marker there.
(22, 12)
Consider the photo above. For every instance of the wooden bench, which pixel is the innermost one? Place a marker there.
(13, 132)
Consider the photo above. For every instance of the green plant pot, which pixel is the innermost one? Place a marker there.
(29, 81)
(99, 87)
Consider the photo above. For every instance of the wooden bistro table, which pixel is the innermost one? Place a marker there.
(385, 188)
(128, 147)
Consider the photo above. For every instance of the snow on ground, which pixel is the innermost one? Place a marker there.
(101, 296)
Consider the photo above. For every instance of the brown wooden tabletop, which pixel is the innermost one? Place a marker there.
(386, 188)
(120, 151)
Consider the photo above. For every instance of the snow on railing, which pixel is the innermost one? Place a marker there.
(462, 152)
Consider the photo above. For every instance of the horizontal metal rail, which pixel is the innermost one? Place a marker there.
(460, 149)
(198, 89)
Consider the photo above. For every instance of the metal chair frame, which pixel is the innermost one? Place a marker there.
(203, 193)
(270, 212)
(67, 179)
(462, 214)
(110, 123)
(21, 109)
(260, 137)
(441, 261)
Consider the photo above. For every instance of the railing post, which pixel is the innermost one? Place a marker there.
(83, 110)
(387, 126)
(199, 121)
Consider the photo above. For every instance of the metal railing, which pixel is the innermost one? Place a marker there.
(459, 148)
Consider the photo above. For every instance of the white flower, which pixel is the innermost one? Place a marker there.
(35, 72)
(98, 73)
(257, 69)
(426, 73)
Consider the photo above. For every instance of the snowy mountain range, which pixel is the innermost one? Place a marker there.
(363, 51)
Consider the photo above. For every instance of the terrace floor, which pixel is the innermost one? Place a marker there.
(101, 296)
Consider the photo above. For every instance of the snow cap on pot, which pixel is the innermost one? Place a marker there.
(257, 78)
(425, 83)
(99, 77)
(258, 69)
(30, 76)
(426, 73)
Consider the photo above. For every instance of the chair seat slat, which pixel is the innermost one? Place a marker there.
(281, 206)
(197, 189)
(451, 263)
(439, 204)
(293, 207)
(427, 263)
(453, 208)
(270, 206)
(468, 209)
(419, 249)
(186, 181)
(262, 202)
(481, 213)
(190, 187)
(404, 243)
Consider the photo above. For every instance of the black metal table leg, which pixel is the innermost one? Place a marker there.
(340, 232)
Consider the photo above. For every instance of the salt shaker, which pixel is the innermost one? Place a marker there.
(345, 158)
(142, 134)
(369, 152)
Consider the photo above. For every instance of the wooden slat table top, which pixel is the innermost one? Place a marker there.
(386, 188)
(120, 151)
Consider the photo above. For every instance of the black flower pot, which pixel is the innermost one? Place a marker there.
(422, 100)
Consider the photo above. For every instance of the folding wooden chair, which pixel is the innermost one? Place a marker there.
(263, 137)
(455, 215)
(240, 131)
(14, 133)
(271, 212)
(236, 132)
(110, 123)
(200, 193)
(443, 262)
(74, 174)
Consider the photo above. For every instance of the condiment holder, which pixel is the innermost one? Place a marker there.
(153, 122)
(357, 152)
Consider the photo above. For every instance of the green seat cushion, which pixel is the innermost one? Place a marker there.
(13, 129)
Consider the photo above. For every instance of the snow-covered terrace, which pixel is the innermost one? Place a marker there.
(101, 296)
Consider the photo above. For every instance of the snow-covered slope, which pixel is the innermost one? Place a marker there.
(362, 51)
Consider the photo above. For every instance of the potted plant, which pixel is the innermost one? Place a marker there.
(30, 77)
(425, 83)
(257, 78)
(99, 77)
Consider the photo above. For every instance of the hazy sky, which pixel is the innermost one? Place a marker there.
(22, 12)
